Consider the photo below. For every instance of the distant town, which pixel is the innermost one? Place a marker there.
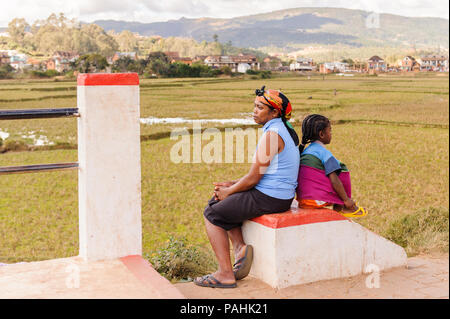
(62, 62)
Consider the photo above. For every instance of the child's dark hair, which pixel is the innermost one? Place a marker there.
(311, 127)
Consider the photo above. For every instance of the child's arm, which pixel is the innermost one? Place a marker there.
(339, 188)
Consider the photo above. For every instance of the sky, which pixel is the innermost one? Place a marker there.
(162, 10)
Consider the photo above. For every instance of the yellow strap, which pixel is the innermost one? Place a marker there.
(355, 213)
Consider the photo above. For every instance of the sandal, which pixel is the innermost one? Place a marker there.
(356, 214)
(242, 266)
(210, 281)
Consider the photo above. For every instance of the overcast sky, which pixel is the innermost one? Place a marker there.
(163, 10)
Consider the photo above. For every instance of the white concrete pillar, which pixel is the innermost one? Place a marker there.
(109, 156)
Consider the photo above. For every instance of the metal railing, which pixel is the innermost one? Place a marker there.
(37, 114)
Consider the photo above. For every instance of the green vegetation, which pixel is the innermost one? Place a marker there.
(425, 228)
(159, 64)
(392, 132)
(6, 71)
(178, 259)
(259, 74)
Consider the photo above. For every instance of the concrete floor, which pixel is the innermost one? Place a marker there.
(425, 277)
(74, 278)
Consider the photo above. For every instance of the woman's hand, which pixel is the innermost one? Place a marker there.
(221, 192)
(217, 185)
(350, 204)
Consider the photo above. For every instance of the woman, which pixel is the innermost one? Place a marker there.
(269, 187)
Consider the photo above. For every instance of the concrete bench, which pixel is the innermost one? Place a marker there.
(307, 245)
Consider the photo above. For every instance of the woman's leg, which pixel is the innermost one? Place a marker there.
(218, 238)
(238, 243)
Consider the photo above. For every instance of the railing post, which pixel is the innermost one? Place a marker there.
(109, 156)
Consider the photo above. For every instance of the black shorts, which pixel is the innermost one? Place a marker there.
(238, 207)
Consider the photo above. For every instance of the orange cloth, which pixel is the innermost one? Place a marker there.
(312, 203)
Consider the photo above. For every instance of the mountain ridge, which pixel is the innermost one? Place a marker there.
(298, 27)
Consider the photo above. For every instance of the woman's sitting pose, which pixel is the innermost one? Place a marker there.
(323, 180)
(269, 187)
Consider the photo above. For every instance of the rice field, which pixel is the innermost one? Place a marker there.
(392, 132)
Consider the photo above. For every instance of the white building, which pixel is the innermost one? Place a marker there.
(302, 64)
(331, 67)
(243, 67)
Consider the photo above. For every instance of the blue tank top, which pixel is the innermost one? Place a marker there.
(280, 179)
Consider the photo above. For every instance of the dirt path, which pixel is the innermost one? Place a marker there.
(424, 277)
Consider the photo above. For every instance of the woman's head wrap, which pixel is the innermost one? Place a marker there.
(275, 100)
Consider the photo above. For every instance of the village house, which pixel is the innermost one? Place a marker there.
(60, 61)
(18, 60)
(376, 64)
(237, 63)
(15, 59)
(172, 55)
(271, 63)
(409, 64)
(333, 67)
(303, 64)
(184, 60)
(35, 64)
(434, 63)
(199, 58)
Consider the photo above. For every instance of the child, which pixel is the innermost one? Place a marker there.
(322, 179)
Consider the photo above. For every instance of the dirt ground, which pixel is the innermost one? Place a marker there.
(425, 277)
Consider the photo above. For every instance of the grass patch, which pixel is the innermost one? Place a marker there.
(424, 231)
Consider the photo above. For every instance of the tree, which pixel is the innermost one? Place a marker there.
(58, 33)
(158, 55)
(158, 67)
(90, 63)
(16, 30)
(127, 64)
(6, 71)
(349, 61)
(127, 41)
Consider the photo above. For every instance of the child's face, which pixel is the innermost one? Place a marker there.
(325, 135)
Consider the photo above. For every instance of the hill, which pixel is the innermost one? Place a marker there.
(299, 27)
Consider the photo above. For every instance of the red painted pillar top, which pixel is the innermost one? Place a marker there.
(92, 79)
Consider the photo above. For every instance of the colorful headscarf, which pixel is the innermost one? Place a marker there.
(276, 100)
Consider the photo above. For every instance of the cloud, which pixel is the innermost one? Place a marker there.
(162, 10)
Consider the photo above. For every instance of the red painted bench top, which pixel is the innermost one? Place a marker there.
(93, 79)
(298, 216)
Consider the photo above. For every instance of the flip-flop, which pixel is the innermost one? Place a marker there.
(242, 266)
(205, 281)
(355, 213)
